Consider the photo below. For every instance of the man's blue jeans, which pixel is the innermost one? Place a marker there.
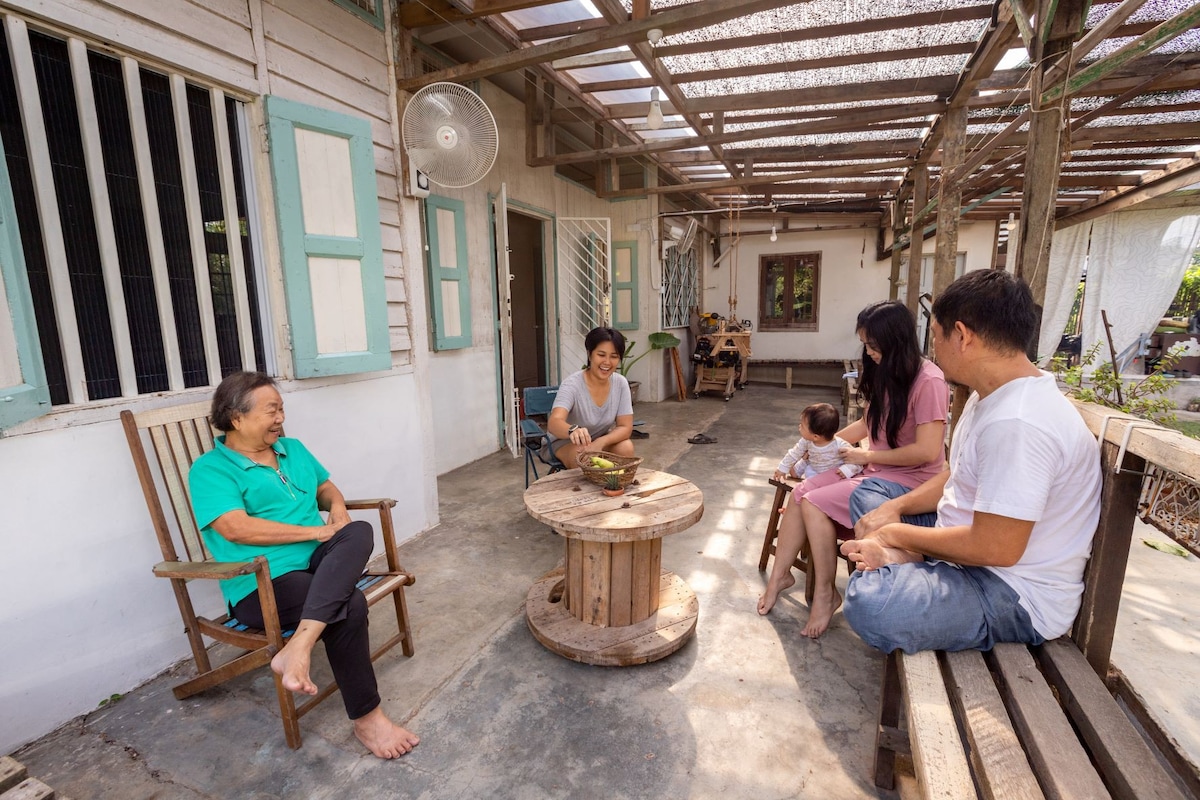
(933, 605)
(874, 492)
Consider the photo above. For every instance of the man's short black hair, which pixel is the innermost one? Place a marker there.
(995, 305)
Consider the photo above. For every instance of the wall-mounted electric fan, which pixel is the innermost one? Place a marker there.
(680, 238)
(450, 136)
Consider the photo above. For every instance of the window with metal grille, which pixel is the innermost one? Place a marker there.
(680, 287)
(131, 199)
(370, 10)
(789, 297)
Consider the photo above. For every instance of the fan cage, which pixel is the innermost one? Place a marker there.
(450, 107)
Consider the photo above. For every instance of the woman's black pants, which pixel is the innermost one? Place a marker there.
(327, 592)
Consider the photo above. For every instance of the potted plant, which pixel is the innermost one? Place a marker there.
(612, 484)
(658, 341)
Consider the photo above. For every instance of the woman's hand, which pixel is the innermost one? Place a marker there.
(581, 437)
(855, 455)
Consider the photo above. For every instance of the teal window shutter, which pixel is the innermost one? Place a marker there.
(24, 393)
(624, 286)
(449, 278)
(323, 166)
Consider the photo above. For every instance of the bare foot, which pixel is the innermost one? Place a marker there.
(823, 605)
(766, 601)
(869, 554)
(291, 663)
(383, 737)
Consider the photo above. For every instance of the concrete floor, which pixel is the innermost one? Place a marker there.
(747, 709)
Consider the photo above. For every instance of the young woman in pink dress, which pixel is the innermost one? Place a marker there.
(907, 401)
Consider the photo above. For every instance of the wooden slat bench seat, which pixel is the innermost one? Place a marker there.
(1034, 722)
(827, 369)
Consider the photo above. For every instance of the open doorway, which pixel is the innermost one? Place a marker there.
(527, 266)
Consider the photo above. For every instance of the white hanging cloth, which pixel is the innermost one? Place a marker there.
(1068, 255)
(1137, 261)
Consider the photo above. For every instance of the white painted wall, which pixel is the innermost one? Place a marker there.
(81, 615)
(850, 279)
(465, 383)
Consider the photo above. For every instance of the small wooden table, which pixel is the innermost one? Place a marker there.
(613, 604)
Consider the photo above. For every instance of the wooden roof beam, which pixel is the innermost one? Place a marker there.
(854, 120)
(923, 19)
(438, 12)
(824, 172)
(1179, 175)
(993, 45)
(1144, 44)
(695, 15)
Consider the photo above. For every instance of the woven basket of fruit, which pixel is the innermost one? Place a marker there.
(598, 466)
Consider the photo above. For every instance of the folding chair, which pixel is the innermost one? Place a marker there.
(538, 400)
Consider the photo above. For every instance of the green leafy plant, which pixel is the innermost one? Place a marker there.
(612, 480)
(1145, 397)
(658, 341)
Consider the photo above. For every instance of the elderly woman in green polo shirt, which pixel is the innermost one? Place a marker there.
(258, 492)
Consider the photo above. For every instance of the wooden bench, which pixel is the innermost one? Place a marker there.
(789, 365)
(1022, 721)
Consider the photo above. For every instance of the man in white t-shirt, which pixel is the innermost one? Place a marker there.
(1016, 511)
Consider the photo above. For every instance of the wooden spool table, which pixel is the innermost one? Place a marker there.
(613, 604)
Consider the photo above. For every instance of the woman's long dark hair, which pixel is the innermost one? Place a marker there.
(892, 330)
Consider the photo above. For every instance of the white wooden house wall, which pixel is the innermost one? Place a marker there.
(850, 278)
(464, 382)
(82, 617)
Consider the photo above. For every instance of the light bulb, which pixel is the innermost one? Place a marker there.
(1012, 221)
(654, 117)
(774, 235)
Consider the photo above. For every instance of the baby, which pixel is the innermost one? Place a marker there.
(817, 450)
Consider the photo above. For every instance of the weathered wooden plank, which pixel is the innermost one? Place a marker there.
(949, 200)
(1058, 759)
(1127, 763)
(12, 772)
(1001, 768)
(643, 553)
(597, 574)
(30, 789)
(937, 751)
(574, 572)
(1095, 625)
(695, 15)
(620, 604)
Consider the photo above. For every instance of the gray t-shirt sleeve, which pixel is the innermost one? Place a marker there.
(574, 396)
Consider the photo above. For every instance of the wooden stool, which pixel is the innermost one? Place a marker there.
(802, 561)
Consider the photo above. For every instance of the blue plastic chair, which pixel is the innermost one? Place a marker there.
(539, 400)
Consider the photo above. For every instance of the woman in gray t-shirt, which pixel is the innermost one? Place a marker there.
(593, 409)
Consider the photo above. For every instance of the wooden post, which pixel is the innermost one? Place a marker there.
(1043, 154)
(897, 253)
(915, 237)
(949, 199)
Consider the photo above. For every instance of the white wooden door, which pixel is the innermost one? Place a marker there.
(508, 388)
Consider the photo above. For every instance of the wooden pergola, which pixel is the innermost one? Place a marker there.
(914, 112)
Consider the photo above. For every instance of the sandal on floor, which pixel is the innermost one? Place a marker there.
(701, 438)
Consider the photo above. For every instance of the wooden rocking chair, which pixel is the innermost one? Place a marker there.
(178, 436)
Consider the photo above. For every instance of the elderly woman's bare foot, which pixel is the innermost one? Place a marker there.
(766, 600)
(291, 663)
(824, 604)
(383, 737)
